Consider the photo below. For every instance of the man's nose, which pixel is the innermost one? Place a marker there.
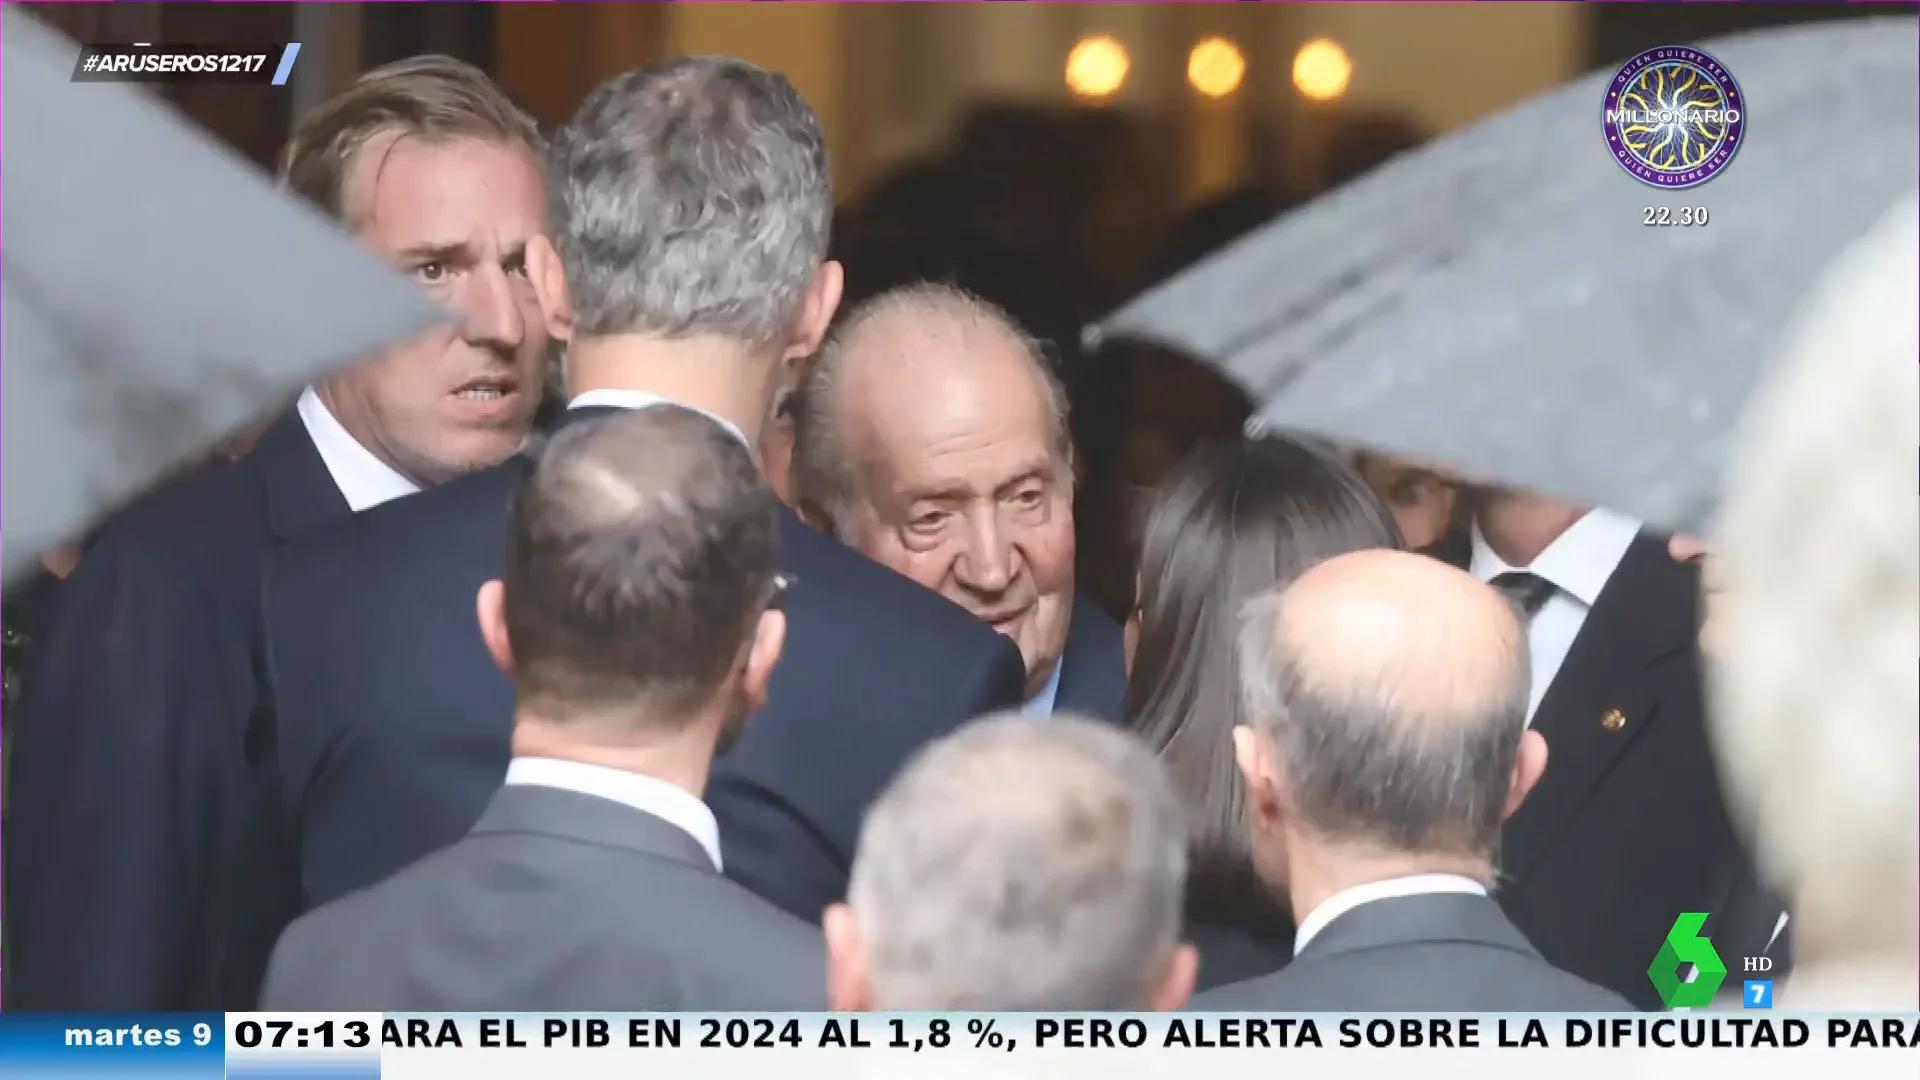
(987, 563)
(490, 312)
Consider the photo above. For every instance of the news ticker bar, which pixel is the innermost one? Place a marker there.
(265, 65)
(365, 1046)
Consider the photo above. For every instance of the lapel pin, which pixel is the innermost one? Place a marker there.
(1613, 720)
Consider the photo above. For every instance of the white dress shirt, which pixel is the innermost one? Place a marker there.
(673, 805)
(641, 399)
(1578, 564)
(363, 479)
(1391, 889)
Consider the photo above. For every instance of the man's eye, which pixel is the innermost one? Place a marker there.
(430, 272)
(515, 267)
(1415, 491)
(929, 521)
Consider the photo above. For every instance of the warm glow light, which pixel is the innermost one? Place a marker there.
(1215, 67)
(1097, 67)
(1321, 70)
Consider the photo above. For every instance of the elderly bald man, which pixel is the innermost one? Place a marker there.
(1389, 743)
(931, 435)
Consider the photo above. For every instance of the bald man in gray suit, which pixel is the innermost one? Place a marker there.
(638, 619)
(1388, 693)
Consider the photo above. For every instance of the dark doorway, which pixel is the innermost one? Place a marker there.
(390, 32)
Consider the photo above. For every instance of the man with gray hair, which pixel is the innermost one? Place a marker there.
(1019, 864)
(1389, 743)
(690, 204)
(932, 437)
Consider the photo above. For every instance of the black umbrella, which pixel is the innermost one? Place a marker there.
(156, 293)
(1511, 301)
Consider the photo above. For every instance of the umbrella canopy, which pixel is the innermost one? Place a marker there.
(1511, 302)
(157, 293)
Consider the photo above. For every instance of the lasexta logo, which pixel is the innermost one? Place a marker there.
(1684, 945)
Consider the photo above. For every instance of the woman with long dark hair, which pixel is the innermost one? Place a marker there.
(1230, 522)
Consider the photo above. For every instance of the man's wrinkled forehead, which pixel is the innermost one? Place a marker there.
(922, 354)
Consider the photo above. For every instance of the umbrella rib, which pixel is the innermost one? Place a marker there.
(1369, 304)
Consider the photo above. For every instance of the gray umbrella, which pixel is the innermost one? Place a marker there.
(1494, 301)
(158, 293)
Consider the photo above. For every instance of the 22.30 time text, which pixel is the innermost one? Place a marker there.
(1673, 215)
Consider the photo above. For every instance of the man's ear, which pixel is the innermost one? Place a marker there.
(490, 605)
(1255, 757)
(849, 989)
(817, 308)
(549, 280)
(1529, 765)
(769, 640)
(810, 511)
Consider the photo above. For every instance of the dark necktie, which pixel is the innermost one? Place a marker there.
(1529, 590)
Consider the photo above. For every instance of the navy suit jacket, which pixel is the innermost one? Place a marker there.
(1093, 667)
(144, 868)
(394, 721)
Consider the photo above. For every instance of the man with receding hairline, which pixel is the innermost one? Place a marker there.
(1389, 743)
(932, 437)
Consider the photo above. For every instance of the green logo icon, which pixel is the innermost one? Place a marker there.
(1684, 945)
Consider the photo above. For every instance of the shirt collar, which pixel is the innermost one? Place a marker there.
(1578, 562)
(1392, 888)
(641, 399)
(1041, 703)
(363, 479)
(674, 805)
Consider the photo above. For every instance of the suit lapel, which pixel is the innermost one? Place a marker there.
(300, 494)
(1605, 695)
(1093, 667)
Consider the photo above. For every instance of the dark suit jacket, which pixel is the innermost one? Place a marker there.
(394, 721)
(1231, 954)
(1441, 952)
(144, 869)
(1093, 667)
(29, 605)
(25, 616)
(1628, 828)
(555, 901)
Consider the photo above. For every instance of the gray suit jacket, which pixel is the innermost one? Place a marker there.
(1438, 952)
(555, 902)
